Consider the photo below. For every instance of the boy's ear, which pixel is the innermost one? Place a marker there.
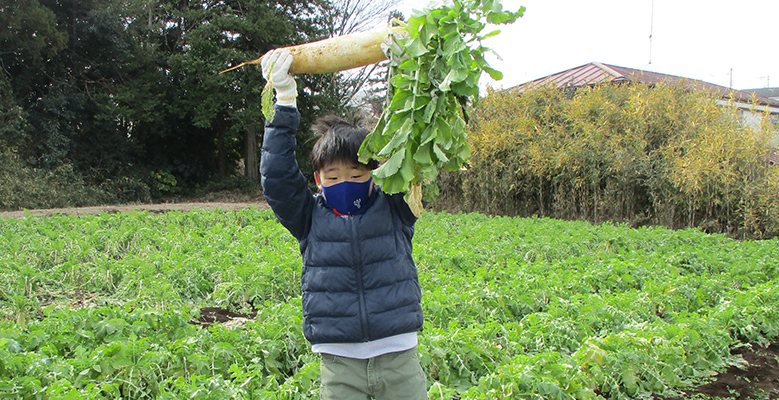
(316, 178)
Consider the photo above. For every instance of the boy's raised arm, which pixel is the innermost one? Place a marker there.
(283, 185)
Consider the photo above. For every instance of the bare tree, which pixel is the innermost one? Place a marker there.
(359, 15)
(350, 16)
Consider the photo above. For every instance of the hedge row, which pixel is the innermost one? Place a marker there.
(625, 153)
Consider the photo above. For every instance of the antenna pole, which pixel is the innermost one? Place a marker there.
(731, 78)
(651, 29)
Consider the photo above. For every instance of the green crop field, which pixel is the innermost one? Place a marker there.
(110, 306)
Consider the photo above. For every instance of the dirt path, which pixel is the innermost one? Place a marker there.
(157, 208)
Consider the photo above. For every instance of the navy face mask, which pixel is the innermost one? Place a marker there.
(347, 198)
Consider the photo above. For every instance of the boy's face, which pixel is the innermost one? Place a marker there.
(342, 171)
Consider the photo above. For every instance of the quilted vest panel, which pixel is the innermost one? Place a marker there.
(359, 280)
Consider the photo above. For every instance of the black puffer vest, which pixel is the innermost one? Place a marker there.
(359, 280)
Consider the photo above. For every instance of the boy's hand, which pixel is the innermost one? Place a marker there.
(275, 68)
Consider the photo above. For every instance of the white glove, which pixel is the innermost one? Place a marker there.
(275, 68)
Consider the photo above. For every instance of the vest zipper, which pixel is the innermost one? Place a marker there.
(357, 253)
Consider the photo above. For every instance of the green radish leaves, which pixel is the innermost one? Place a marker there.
(434, 75)
(268, 109)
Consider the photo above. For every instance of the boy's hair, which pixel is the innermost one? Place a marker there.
(337, 140)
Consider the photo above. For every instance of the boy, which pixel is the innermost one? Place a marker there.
(361, 295)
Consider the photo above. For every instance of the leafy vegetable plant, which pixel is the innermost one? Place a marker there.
(514, 308)
(434, 74)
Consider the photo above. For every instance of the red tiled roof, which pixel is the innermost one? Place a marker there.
(595, 73)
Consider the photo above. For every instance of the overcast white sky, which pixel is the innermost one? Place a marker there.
(698, 39)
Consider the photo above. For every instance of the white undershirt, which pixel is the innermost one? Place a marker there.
(371, 349)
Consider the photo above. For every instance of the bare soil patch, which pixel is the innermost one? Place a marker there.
(215, 315)
(757, 378)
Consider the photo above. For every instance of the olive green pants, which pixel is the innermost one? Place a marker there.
(392, 376)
